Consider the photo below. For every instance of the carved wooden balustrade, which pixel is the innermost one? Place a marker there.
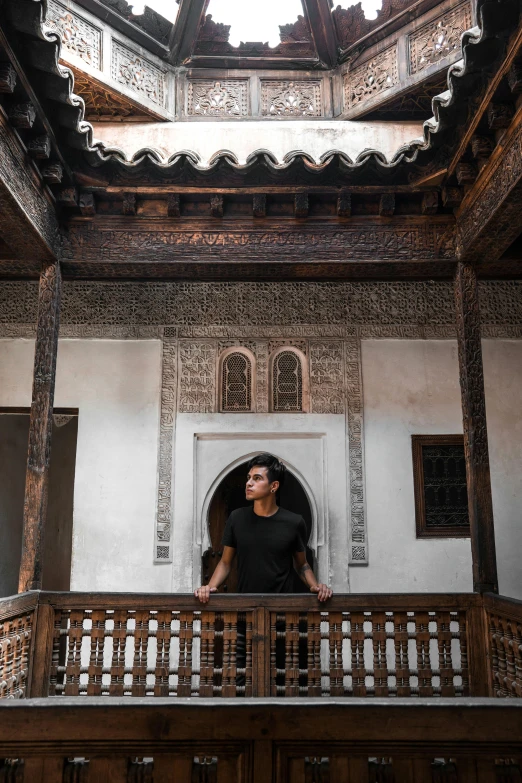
(336, 667)
(75, 644)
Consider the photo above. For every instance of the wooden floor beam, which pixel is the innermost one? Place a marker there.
(475, 430)
(40, 428)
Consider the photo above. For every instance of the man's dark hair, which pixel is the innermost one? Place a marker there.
(275, 469)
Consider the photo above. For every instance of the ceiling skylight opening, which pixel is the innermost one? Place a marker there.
(167, 8)
(255, 23)
(369, 7)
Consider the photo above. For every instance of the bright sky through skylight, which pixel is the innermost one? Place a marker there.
(247, 23)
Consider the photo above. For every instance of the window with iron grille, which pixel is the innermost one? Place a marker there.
(287, 382)
(236, 382)
(441, 495)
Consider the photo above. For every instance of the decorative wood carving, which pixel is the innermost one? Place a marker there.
(210, 98)
(296, 41)
(439, 38)
(39, 147)
(500, 115)
(475, 430)
(490, 218)
(387, 205)
(372, 78)
(7, 78)
(291, 98)
(408, 240)
(481, 147)
(87, 204)
(22, 115)
(355, 424)
(466, 173)
(138, 74)
(326, 377)
(173, 205)
(40, 428)
(129, 204)
(430, 202)
(79, 37)
(27, 219)
(216, 206)
(67, 197)
(259, 205)
(52, 173)
(103, 103)
(301, 204)
(344, 204)
(451, 197)
(351, 23)
(514, 76)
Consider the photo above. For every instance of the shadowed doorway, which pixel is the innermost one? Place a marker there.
(230, 495)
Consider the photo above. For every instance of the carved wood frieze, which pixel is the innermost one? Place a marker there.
(291, 98)
(371, 79)
(490, 216)
(79, 37)
(403, 240)
(211, 98)
(296, 41)
(439, 38)
(102, 102)
(137, 73)
(28, 222)
(351, 23)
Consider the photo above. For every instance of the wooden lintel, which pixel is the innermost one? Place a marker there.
(476, 452)
(322, 25)
(28, 221)
(40, 428)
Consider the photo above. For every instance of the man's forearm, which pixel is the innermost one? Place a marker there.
(219, 575)
(307, 575)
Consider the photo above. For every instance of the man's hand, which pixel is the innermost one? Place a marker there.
(322, 590)
(203, 593)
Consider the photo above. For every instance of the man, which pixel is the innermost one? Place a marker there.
(268, 540)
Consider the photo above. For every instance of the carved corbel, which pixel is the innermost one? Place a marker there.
(451, 197)
(217, 206)
(500, 115)
(52, 173)
(430, 202)
(87, 204)
(301, 204)
(129, 204)
(387, 205)
(7, 78)
(344, 204)
(173, 205)
(39, 147)
(22, 115)
(259, 205)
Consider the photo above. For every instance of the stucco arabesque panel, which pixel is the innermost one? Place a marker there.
(326, 321)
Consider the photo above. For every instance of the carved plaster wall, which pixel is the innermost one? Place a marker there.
(325, 321)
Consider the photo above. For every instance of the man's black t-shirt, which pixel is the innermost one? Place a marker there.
(264, 548)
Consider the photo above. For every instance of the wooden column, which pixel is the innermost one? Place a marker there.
(40, 427)
(475, 430)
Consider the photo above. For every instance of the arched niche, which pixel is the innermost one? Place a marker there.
(228, 494)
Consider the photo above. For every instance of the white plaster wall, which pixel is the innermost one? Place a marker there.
(503, 382)
(412, 387)
(313, 445)
(207, 138)
(116, 386)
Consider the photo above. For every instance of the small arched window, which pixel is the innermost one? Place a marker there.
(236, 382)
(287, 382)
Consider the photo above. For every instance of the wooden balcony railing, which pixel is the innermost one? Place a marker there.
(75, 644)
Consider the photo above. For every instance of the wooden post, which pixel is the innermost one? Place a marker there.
(40, 428)
(475, 430)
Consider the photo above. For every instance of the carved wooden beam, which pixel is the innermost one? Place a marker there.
(28, 221)
(185, 31)
(40, 428)
(490, 216)
(7, 78)
(323, 30)
(475, 430)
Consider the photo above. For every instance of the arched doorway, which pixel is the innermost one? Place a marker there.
(229, 495)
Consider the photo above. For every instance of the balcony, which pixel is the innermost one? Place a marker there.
(127, 687)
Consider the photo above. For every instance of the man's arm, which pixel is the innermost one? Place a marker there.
(308, 577)
(219, 575)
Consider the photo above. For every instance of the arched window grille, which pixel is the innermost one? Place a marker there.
(287, 382)
(236, 382)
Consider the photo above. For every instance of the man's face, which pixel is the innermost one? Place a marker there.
(258, 485)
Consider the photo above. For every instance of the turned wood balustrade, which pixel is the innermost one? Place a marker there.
(127, 645)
